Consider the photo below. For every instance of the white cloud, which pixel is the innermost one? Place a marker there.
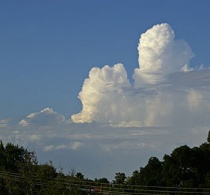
(34, 138)
(102, 92)
(55, 147)
(43, 118)
(4, 122)
(49, 147)
(155, 99)
(194, 99)
(160, 54)
(186, 68)
(76, 145)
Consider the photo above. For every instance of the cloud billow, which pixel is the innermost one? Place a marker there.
(101, 92)
(160, 54)
(46, 117)
(107, 96)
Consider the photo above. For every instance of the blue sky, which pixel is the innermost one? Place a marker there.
(48, 48)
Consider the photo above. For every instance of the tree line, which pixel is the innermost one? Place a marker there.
(21, 174)
(184, 167)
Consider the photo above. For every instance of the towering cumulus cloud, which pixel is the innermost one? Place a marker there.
(101, 93)
(107, 96)
(160, 54)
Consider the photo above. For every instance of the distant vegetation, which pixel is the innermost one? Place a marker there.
(185, 170)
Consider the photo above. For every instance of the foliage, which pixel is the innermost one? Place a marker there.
(208, 138)
(184, 167)
(20, 174)
(102, 180)
(119, 178)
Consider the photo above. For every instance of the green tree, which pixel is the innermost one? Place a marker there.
(208, 138)
(2, 156)
(119, 178)
(150, 175)
(14, 156)
(184, 167)
(102, 180)
(177, 168)
(135, 178)
(14, 164)
(80, 176)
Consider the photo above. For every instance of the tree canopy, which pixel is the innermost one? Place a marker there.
(184, 167)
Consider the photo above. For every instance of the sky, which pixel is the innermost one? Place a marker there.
(102, 86)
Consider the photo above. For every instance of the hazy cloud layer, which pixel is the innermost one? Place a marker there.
(154, 99)
(98, 150)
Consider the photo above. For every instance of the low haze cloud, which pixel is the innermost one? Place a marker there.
(98, 150)
(154, 99)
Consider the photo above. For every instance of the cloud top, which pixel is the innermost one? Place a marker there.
(43, 118)
(160, 54)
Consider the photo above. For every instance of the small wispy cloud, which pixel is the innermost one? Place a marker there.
(76, 145)
(4, 122)
(55, 147)
(70, 146)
